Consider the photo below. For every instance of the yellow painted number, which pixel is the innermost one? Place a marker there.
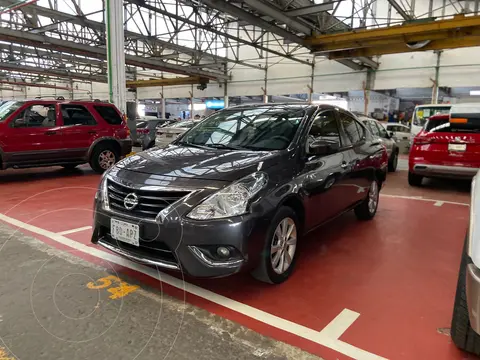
(117, 292)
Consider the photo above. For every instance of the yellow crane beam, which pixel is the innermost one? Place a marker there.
(449, 43)
(358, 37)
(189, 80)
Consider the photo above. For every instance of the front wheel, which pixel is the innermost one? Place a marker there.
(103, 158)
(279, 254)
(367, 209)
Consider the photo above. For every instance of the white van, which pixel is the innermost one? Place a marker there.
(423, 112)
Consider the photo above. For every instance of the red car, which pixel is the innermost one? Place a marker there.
(448, 146)
(59, 132)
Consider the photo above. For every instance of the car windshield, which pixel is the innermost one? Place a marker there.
(422, 113)
(9, 108)
(442, 125)
(259, 128)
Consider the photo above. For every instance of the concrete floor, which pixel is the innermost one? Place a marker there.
(390, 299)
(48, 311)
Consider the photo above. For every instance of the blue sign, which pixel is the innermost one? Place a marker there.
(215, 104)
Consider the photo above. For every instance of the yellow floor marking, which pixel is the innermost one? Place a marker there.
(118, 292)
(4, 355)
(130, 154)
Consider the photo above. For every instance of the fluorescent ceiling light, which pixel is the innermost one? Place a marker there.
(474, 92)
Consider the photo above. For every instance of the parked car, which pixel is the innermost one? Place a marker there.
(378, 130)
(400, 133)
(448, 146)
(65, 133)
(465, 327)
(423, 112)
(168, 133)
(238, 190)
(147, 131)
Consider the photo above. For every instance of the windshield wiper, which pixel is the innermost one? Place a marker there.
(223, 146)
(186, 143)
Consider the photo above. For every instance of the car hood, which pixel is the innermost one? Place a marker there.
(207, 164)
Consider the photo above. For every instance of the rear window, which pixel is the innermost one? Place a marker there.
(442, 125)
(423, 113)
(141, 124)
(109, 114)
(182, 124)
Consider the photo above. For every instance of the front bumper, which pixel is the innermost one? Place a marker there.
(456, 172)
(473, 296)
(175, 245)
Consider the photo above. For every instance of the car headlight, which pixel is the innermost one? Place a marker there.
(232, 200)
(102, 194)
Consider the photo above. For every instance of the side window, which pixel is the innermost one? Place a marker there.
(39, 115)
(76, 115)
(382, 131)
(353, 130)
(109, 114)
(373, 129)
(324, 127)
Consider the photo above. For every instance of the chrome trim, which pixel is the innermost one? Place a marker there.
(473, 296)
(226, 264)
(148, 187)
(146, 261)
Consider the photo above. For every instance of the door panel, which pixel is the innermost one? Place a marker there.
(33, 137)
(80, 129)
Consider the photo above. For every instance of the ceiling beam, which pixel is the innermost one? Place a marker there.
(400, 10)
(52, 72)
(45, 42)
(191, 80)
(310, 10)
(59, 16)
(275, 13)
(29, 84)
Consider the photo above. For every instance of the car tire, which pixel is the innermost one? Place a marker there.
(367, 209)
(392, 164)
(69, 166)
(461, 332)
(267, 271)
(414, 179)
(103, 157)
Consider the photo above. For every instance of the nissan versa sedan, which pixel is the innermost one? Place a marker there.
(237, 191)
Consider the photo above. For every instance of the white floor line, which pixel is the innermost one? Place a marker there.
(339, 325)
(323, 339)
(439, 203)
(420, 198)
(66, 232)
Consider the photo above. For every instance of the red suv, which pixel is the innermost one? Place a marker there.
(447, 146)
(59, 132)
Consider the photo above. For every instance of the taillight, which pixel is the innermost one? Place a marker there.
(143, 131)
(422, 141)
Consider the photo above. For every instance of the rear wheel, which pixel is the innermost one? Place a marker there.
(414, 179)
(461, 332)
(103, 157)
(392, 164)
(367, 209)
(279, 255)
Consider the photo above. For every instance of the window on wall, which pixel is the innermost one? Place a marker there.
(76, 115)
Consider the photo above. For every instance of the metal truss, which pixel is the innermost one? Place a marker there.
(202, 38)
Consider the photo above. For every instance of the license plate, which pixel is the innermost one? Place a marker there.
(457, 147)
(125, 232)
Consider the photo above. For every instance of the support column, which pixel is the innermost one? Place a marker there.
(437, 78)
(164, 104)
(225, 89)
(116, 54)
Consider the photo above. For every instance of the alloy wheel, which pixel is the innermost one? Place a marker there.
(284, 245)
(106, 159)
(373, 197)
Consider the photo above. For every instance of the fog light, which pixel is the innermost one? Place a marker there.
(223, 252)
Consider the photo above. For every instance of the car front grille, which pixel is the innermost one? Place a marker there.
(150, 202)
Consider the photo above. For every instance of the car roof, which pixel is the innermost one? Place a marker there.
(292, 105)
(74, 102)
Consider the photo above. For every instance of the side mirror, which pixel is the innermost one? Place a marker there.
(323, 147)
(20, 122)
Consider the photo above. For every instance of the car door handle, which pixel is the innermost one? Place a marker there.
(92, 132)
(50, 132)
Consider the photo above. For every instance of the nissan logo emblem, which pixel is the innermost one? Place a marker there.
(130, 201)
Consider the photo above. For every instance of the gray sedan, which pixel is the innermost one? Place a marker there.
(165, 135)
